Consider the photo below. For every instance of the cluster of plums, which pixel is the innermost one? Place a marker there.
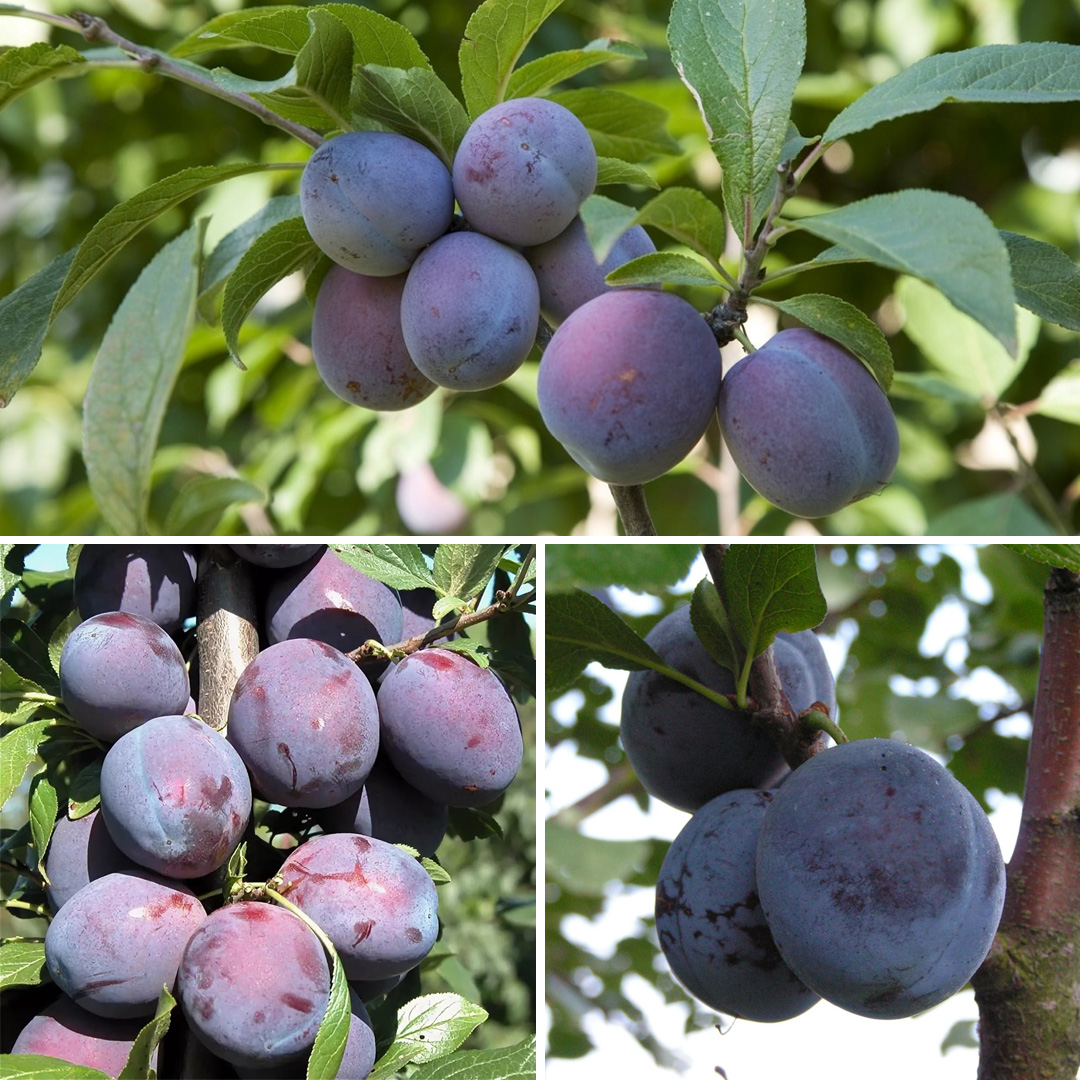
(631, 379)
(868, 876)
(375, 765)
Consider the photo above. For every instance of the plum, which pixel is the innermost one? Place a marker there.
(709, 919)
(686, 749)
(807, 424)
(117, 671)
(880, 877)
(523, 170)
(357, 344)
(372, 200)
(469, 311)
(568, 272)
(304, 720)
(628, 384)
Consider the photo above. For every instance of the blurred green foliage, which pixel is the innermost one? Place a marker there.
(902, 677)
(71, 149)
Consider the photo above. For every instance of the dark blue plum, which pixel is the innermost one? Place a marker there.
(373, 199)
(880, 877)
(469, 311)
(808, 425)
(709, 919)
(276, 556)
(686, 749)
(254, 983)
(156, 581)
(80, 851)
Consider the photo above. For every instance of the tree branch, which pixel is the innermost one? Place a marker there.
(95, 29)
(1026, 988)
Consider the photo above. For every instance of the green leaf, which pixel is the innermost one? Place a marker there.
(84, 794)
(689, 217)
(28, 655)
(280, 251)
(133, 378)
(285, 30)
(200, 503)
(620, 126)
(150, 1034)
(324, 64)
(495, 37)
(534, 78)
(128, 219)
(25, 316)
(333, 1032)
(474, 650)
(586, 865)
(43, 807)
(17, 750)
(379, 39)
(19, 698)
(1060, 397)
(613, 171)
(231, 248)
(437, 873)
(641, 567)
(845, 323)
(26, 66)
(943, 239)
(1066, 556)
(1032, 71)
(1047, 281)
(447, 604)
(991, 515)
(401, 566)
(605, 221)
(22, 963)
(415, 103)
(713, 628)
(741, 60)
(666, 268)
(428, 1028)
(472, 823)
(958, 346)
(59, 636)
(516, 1062)
(465, 569)
(767, 588)
(39, 1067)
(581, 629)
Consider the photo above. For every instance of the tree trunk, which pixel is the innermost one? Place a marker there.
(1028, 988)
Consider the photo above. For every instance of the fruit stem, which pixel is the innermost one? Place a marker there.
(633, 510)
(816, 719)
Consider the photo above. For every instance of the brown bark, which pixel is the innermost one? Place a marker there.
(1028, 988)
(227, 629)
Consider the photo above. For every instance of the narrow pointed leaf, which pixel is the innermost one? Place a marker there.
(540, 75)
(613, 171)
(495, 38)
(689, 217)
(25, 317)
(742, 60)
(132, 381)
(1032, 71)
(620, 125)
(667, 268)
(1047, 281)
(24, 67)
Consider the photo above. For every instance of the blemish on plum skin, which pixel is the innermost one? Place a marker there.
(300, 1004)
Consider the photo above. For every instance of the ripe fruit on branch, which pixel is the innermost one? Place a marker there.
(880, 877)
(372, 200)
(807, 424)
(628, 384)
(523, 170)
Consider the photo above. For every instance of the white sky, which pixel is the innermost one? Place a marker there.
(824, 1043)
